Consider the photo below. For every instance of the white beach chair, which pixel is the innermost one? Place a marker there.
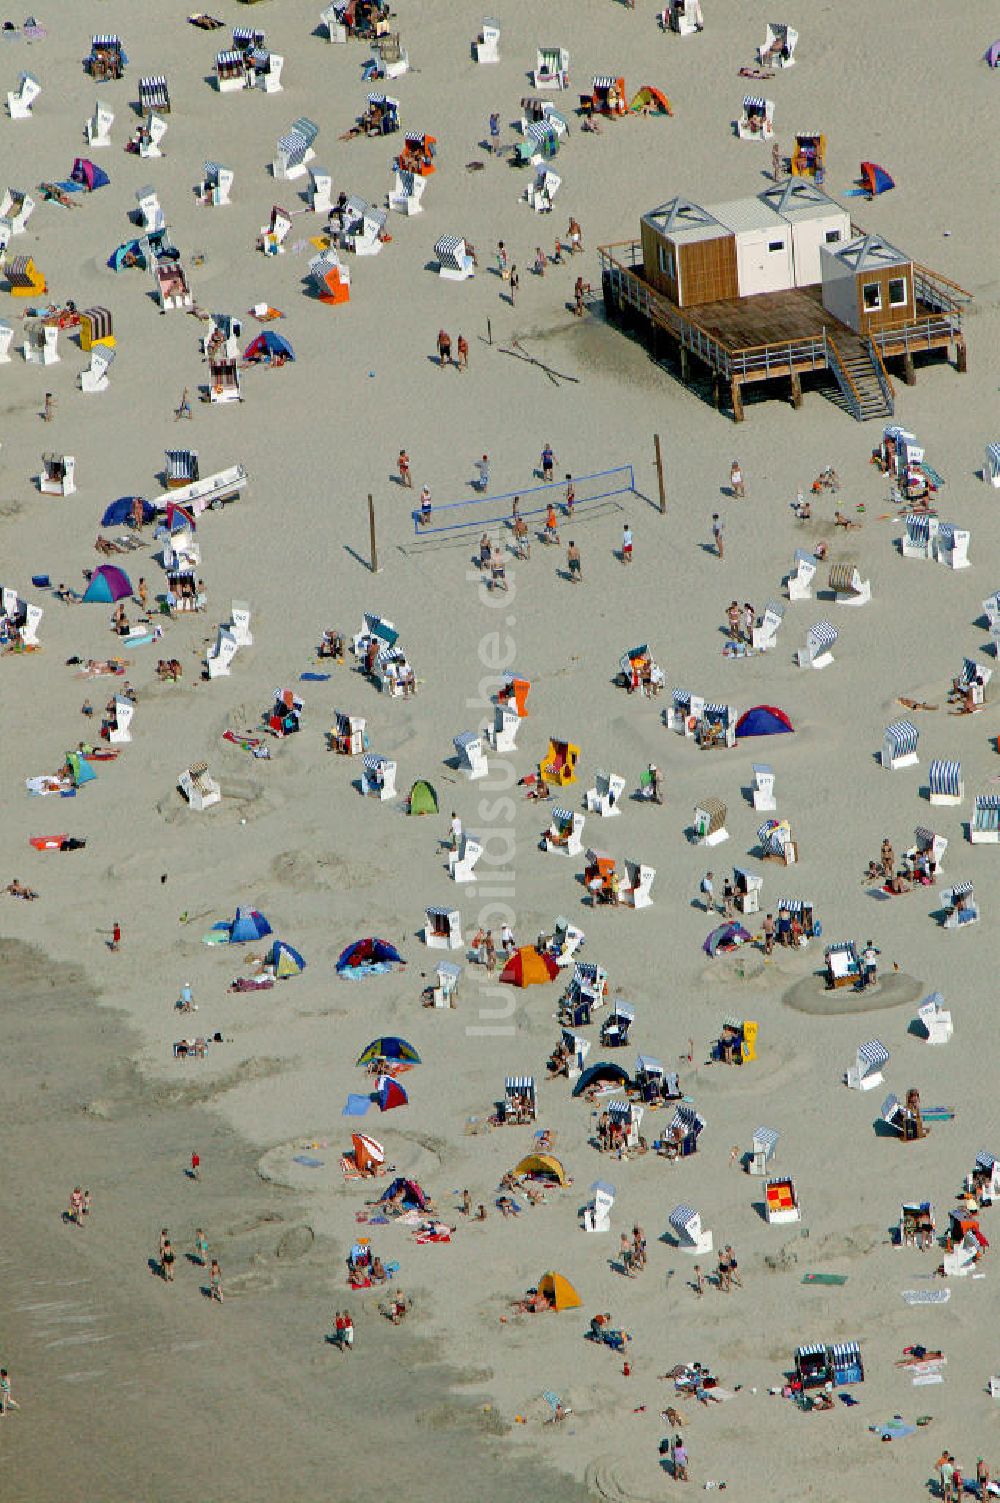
(219, 658)
(866, 1072)
(765, 634)
(240, 624)
(16, 208)
(32, 621)
(960, 901)
(95, 377)
(944, 782)
(503, 732)
(461, 863)
(710, 822)
(757, 120)
(58, 477)
(899, 745)
(953, 546)
(445, 990)
(407, 193)
(486, 47)
(21, 99)
(800, 583)
(691, 1237)
(819, 639)
(637, 889)
(551, 68)
(330, 17)
(936, 1019)
(471, 755)
(763, 787)
(41, 344)
(378, 777)
(542, 189)
(847, 585)
(920, 536)
(565, 833)
(199, 787)
(597, 1213)
(991, 465)
(98, 127)
(454, 262)
(120, 732)
(778, 50)
(605, 796)
(217, 185)
(984, 826)
(763, 1150)
(6, 340)
(442, 929)
(151, 144)
(294, 150)
(151, 216)
(320, 190)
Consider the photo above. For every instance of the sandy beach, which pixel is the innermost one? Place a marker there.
(132, 1389)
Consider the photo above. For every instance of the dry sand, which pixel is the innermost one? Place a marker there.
(167, 1397)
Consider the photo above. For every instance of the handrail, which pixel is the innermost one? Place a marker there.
(843, 371)
(882, 375)
(936, 276)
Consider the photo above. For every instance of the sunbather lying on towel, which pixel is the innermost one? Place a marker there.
(18, 890)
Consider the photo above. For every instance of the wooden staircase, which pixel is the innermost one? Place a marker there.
(861, 376)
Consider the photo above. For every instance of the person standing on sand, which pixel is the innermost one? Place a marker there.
(574, 563)
(348, 1332)
(215, 1280)
(708, 892)
(7, 1400)
(717, 526)
(463, 353)
(201, 1247)
(466, 1203)
(626, 544)
(167, 1260)
(515, 282)
(698, 1282)
(768, 928)
(455, 831)
(444, 348)
(196, 1166)
(548, 462)
(116, 936)
(736, 483)
(403, 466)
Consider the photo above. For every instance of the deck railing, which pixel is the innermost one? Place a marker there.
(881, 374)
(921, 334)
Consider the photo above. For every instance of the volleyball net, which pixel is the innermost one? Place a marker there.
(479, 511)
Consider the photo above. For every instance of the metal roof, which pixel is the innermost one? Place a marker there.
(683, 220)
(869, 253)
(799, 198)
(742, 214)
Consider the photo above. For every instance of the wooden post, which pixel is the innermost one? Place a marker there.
(659, 474)
(737, 400)
(909, 374)
(796, 390)
(717, 390)
(489, 330)
(371, 530)
(685, 364)
(961, 356)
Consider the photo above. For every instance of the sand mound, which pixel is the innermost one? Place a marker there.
(322, 871)
(616, 1479)
(810, 996)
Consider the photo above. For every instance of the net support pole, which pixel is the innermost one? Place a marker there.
(371, 533)
(659, 474)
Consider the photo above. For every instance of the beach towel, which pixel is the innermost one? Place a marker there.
(423, 1237)
(301, 1158)
(41, 581)
(314, 678)
(356, 1106)
(894, 1430)
(141, 639)
(927, 1296)
(216, 937)
(922, 1379)
(833, 1279)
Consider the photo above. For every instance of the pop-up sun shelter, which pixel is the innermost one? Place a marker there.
(247, 928)
(107, 584)
(560, 1291)
(80, 769)
(725, 938)
(650, 101)
(763, 720)
(119, 511)
(413, 1196)
(423, 799)
(388, 1046)
(368, 957)
(390, 1094)
(526, 967)
(284, 960)
(267, 346)
(542, 1164)
(369, 1154)
(88, 175)
(603, 1073)
(875, 179)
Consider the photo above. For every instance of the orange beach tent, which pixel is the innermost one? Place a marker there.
(560, 1291)
(526, 967)
(652, 101)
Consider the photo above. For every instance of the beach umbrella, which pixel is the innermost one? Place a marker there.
(388, 1046)
(389, 1094)
(526, 967)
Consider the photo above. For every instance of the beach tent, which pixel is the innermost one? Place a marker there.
(368, 1152)
(88, 175)
(603, 1073)
(413, 1196)
(993, 55)
(368, 957)
(726, 937)
(388, 1046)
(560, 1291)
(119, 511)
(267, 345)
(247, 927)
(652, 100)
(127, 255)
(542, 1163)
(763, 720)
(875, 179)
(284, 960)
(390, 1094)
(526, 967)
(107, 584)
(179, 518)
(80, 769)
(423, 798)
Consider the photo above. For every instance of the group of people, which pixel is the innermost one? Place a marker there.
(740, 622)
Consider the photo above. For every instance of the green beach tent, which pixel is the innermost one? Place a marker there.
(423, 799)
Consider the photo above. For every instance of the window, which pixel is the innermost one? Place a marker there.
(775, 245)
(832, 236)
(871, 294)
(897, 292)
(667, 263)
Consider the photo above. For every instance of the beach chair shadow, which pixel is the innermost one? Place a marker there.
(153, 1264)
(707, 548)
(883, 1130)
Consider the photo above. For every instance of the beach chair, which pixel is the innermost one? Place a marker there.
(232, 71)
(637, 888)
(378, 777)
(627, 1115)
(920, 536)
(952, 548)
(800, 582)
(605, 796)
(961, 907)
(690, 1235)
(199, 787)
(454, 262)
(819, 639)
(683, 712)
(502, 734)
(294, 150)
(587, 989)
(171, 284)
(348, 736)
(150, 215)
(597, 1213)
(407, 192)
(95, 377)
(935, 1019)
(519, 1103)
(899, 745)
(330, 278)
(119, 730)
(847, 585)
(216, 185)
(716, 726)
(32, 621)
(991, 465)
(763, 787)
(23, 277)
(266, 69)
(486, 47)
(775, 837)
(748, 887)
(779, 45)
(21, 99)
(274, 234)
(984, 827)
(332, 18)
(41, 343)
(765, 633)
(542, 189)
(579, 1048)
(219, 658)
(514, 694)
(710, 822)
(58, 477)
(928, 846)
(686, 1127)
(813, 1367)
(551, 68)
(781, 1203)
(945, 785)
(154, 94)
(764, 1147)
(445, 989)
(364, 227)
(320, 190)
(6, 340)
(107, 58)
(866, 1072)
(471, 755)
(565, 833)
(461, 863)
(16, 208)
(615, 1028)
(757, 120)
(223, 380)
(558, 766)
(683, 17)
(842, 965)
(443, 929)
(845, 1358)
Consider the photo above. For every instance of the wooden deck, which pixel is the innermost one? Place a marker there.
(746, 323)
